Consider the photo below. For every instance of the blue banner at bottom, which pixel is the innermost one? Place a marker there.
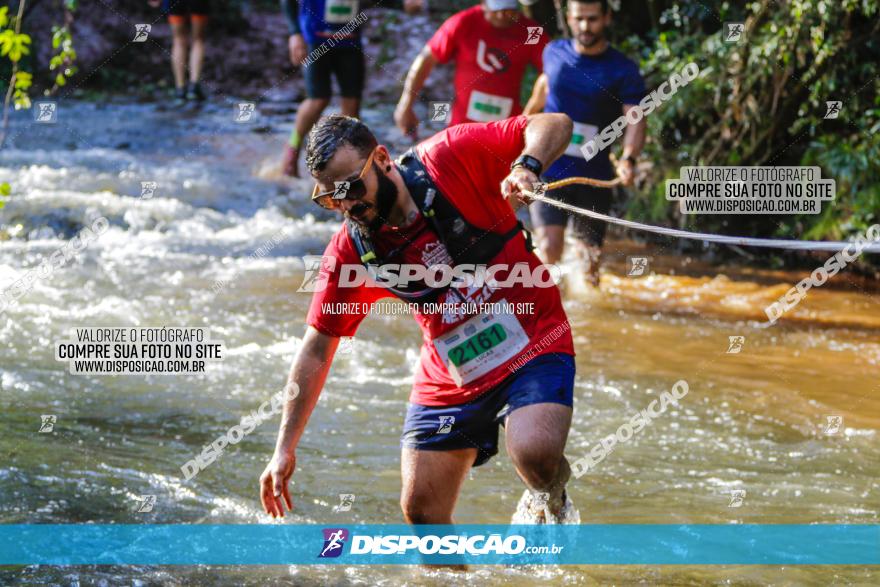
(277, 544)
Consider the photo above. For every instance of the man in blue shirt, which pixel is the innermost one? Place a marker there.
(594, 84)
(325, 39)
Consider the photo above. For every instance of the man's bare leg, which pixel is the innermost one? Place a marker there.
(197, 52)
(551, 242)
(535, 437)
(350, 106)
(306, 116)
(431, 483)
(179, 46)
(591, 259)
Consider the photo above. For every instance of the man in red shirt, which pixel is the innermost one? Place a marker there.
(496, 352)
(491, 45)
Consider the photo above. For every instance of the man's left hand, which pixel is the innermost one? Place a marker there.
(519, 180)
(626, 171)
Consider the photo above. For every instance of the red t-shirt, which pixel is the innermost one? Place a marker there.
(468, 163)
(489, 63)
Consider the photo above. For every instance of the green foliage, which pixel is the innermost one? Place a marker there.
(12, 45)
(762, 102)
(5, 190)
(20, 91)
(63, 60)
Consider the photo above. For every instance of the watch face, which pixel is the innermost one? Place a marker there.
(529, 163)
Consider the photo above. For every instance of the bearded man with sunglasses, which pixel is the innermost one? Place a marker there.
(447, 202)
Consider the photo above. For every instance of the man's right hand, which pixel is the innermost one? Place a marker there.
(406, 120)
(296, 46)
(274, 484)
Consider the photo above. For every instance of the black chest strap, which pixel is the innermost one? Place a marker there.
(465, 243)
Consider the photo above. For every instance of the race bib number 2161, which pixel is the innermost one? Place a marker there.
(480, 345)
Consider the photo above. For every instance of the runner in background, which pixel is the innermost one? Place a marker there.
(310, 24)
(491, 44)
(594, 83)
(180, 14)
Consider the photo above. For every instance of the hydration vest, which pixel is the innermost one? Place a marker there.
(465, 243)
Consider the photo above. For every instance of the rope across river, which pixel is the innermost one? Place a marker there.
(795, 245)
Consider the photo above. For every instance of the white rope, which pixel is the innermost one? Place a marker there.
(795, 245)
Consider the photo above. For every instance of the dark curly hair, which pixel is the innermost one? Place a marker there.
(330, 133)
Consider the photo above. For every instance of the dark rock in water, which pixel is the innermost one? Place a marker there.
(57, 223)
(262, 129)
(288, 107)
(123, 146)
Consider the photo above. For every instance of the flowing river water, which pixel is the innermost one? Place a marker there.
(753, 420)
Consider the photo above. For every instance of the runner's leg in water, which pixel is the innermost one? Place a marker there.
(440, 443)
(199, 23)
(551, 242)
(590, 232)
(432, 480)
(535, 439)
(306, 116)
(550, 223)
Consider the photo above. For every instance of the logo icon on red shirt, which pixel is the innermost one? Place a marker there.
(491, 60)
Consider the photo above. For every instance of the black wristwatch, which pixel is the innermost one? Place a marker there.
(631, 159)
(529, 163)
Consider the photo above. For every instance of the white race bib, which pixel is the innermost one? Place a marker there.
(339, 11)
(484, 107)
(481, 344)
(579, 136)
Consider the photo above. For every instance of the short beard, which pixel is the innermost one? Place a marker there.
(596, 40)
(386, 197)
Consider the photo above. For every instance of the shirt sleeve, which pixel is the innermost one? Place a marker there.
(290, 10)
(491, 147)
(338, 310)
(473, 159)
(632, 85)
(443, 43)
